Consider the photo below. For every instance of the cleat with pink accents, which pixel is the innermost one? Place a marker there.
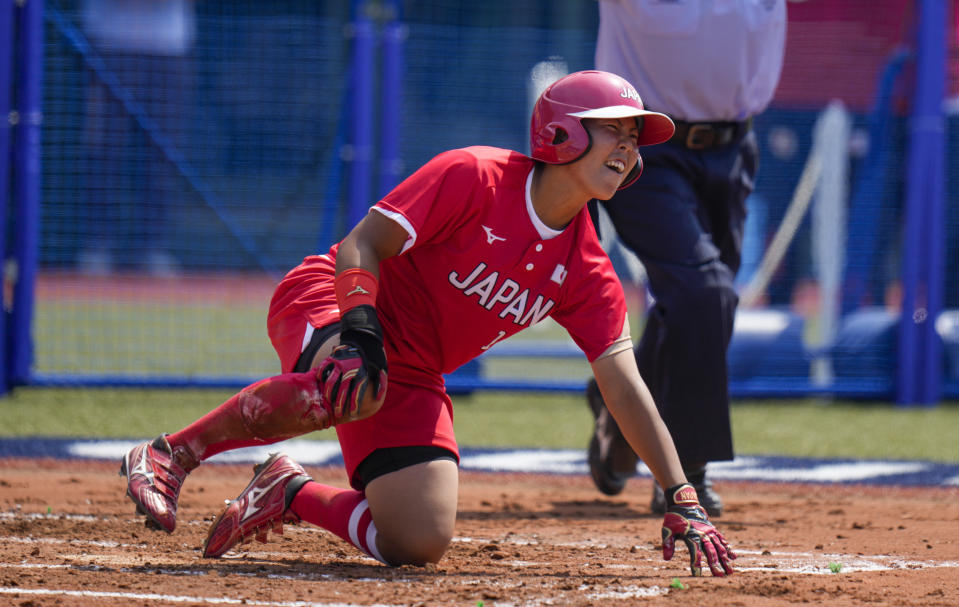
(259, 509)
(155, 471)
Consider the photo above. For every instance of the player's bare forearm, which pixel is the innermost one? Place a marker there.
(374, 239)
(632, 406)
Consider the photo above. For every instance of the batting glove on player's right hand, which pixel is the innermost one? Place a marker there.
(353, 378)
(685, 519)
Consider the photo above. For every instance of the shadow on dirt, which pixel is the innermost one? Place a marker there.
(597, 509)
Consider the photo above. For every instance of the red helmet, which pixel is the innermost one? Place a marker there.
(559, 111)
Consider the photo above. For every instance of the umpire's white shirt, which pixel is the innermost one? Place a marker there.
(696, 60)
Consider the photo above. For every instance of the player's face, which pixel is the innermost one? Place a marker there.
(613, 153)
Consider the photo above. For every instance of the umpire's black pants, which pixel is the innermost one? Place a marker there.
(684, 220)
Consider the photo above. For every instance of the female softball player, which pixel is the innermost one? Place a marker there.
(476, 245)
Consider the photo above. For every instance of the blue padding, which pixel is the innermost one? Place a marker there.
(865, 346)
(948, 328)
(767, 358)
(767, 344)
(465, 379)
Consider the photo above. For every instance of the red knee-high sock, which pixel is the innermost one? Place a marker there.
(271, 410)
(343, 512)
(222, 429)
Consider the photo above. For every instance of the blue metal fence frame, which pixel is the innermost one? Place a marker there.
(393, 38)
(26, 185)
(919, 369)
(6, 89)
(362, 74)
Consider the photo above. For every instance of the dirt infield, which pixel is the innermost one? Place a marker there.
(69, 537)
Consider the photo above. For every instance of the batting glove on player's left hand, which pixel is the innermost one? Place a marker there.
(346, 385)
(685, 519)
(353, 378)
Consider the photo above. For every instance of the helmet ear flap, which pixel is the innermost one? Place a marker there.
(633, 174)
(570, 140)
(545, 138)
(559, 142)
(560, 135)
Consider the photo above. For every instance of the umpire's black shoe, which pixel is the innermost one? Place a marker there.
(611, 459)
(708, 498)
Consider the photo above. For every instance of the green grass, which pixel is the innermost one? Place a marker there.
(790, 427)
(152, 338)
(135, 333)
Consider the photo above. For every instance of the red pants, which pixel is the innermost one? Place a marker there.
(412, 414)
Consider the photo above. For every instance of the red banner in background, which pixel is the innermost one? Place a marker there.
(837, 50)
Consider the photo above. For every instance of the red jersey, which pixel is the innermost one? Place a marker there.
(479, 266)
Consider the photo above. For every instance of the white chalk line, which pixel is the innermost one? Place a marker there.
(790, 562)
(172, 598)
(781, 562)
(819, 564)
(36, 516)
(804, 563)
(14, 539)
(628, 592)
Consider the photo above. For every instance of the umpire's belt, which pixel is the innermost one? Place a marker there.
(703, 135)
